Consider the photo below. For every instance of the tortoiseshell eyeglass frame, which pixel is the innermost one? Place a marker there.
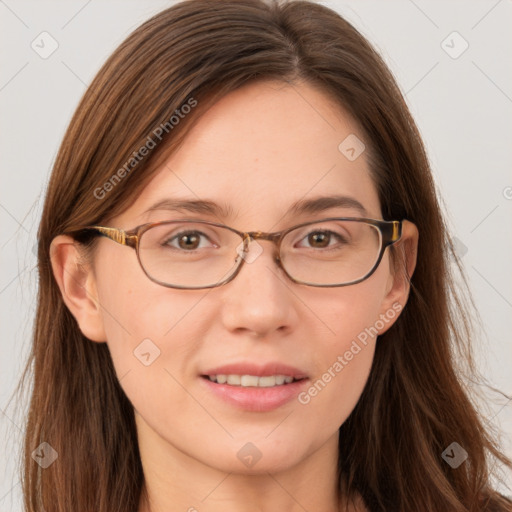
(391, 232)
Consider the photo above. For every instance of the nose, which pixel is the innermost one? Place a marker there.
(260, 298)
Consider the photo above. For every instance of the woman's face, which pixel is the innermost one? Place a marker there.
(256, 152)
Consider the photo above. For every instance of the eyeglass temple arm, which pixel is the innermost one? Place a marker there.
(392, 231)
(117, 235)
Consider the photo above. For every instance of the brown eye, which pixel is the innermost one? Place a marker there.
(319, 239)
(187, 241)
(323, 239)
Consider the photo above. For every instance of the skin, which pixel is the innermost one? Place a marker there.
(258, 150)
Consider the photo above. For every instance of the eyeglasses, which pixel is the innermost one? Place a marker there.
(193, 254)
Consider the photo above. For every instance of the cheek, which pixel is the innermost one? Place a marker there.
(335, 390)
(350, 322)
(152, 344)
(146, 324)
(349, 312)
(342, 368)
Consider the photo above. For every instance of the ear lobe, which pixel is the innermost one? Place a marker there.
(77, 285)
(402, 268)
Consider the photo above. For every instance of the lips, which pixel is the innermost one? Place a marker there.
(276, 385)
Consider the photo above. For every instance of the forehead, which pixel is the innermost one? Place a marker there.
(259, 150)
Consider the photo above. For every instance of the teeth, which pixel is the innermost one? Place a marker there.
(251, 380)
(248, 380)
(234, 380)
(267, 382)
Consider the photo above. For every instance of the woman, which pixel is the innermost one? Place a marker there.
(245, 291)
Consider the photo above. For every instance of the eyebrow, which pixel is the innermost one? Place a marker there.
(323, 203)
(303, 206)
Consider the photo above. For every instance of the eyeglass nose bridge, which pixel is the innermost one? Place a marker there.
(261, 235)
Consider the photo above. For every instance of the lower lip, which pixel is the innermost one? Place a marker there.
(254, 398)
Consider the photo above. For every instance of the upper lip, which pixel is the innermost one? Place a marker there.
(258, 370)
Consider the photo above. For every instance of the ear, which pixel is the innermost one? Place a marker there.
(402, 266)
(77, 285)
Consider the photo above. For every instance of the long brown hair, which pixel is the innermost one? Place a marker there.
(415, 403)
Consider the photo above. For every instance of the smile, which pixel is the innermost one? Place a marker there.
(266, 381)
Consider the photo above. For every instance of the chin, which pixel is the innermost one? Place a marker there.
(256, 458)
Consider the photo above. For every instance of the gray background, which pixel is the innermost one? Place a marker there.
(463, 107)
